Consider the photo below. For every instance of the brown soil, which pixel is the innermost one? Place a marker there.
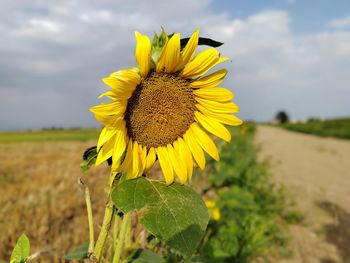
(316, 172)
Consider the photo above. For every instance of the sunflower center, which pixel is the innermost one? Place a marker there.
(160, 110)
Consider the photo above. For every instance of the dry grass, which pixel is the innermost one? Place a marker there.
(40, 196)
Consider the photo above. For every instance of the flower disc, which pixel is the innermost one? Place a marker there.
(160, 110)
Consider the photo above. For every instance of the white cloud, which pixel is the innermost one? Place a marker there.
(340, 23)
(53, 57)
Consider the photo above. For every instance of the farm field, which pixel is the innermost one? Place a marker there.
(49, 135)
(339, 128)
(316, 172)
(40, 196)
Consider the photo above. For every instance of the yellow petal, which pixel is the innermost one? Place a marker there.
(186, 154)
(196, 150)
(128, 157)
(112, 108)
(129, 76)
(220, 60)
(115, 164)
(218, 107)
(205, 141)
(110, 94)
(121, 89)
(217, 94)
(120, 144)
(143, 53)
(179, 166)
(134, 171)
(211, 80)
(151, 158)
(143, 158)
(228, 119)
(213, 126)
(105, 135)
(170, 58)
(165, 164)
(200, 65)
(182, 156)
(106, 151)
(108, 120)
(190, 47)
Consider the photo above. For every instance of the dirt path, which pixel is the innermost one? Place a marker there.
(316, 172)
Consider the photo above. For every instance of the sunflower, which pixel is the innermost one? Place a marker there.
(161, 109)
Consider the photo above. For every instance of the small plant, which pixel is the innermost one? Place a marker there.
(20, 253)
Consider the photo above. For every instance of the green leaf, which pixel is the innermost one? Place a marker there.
(20, 252)
(175, 214)
(78, 253)
(144, 256)
(89, 158)
(202, 41)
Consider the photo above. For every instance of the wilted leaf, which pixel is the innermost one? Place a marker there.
(202, 41)
(89, 158)
(175, 214)
(20, 252)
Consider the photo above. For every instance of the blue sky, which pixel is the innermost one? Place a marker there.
(288, 55)
(306, 15)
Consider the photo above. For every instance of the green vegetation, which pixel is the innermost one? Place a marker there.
(339, 128)
(253, 211)
(250, 205)
(49, 135)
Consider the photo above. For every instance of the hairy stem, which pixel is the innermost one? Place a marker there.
(91, 222)
(89, 213)
(128, 234)
(115, 231)
(106, 225)
(121, 238)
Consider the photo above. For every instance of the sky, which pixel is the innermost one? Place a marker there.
(287, 55)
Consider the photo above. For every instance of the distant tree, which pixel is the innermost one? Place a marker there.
(281, 117)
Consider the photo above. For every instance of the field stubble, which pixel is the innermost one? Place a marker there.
(40, 196)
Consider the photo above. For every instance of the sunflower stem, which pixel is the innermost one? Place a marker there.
(128, 235)
(107, 221)
(115, 232)
(106, 225)
(121, 238)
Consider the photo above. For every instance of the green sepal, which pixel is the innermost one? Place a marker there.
(158, 44)
(89, 158)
